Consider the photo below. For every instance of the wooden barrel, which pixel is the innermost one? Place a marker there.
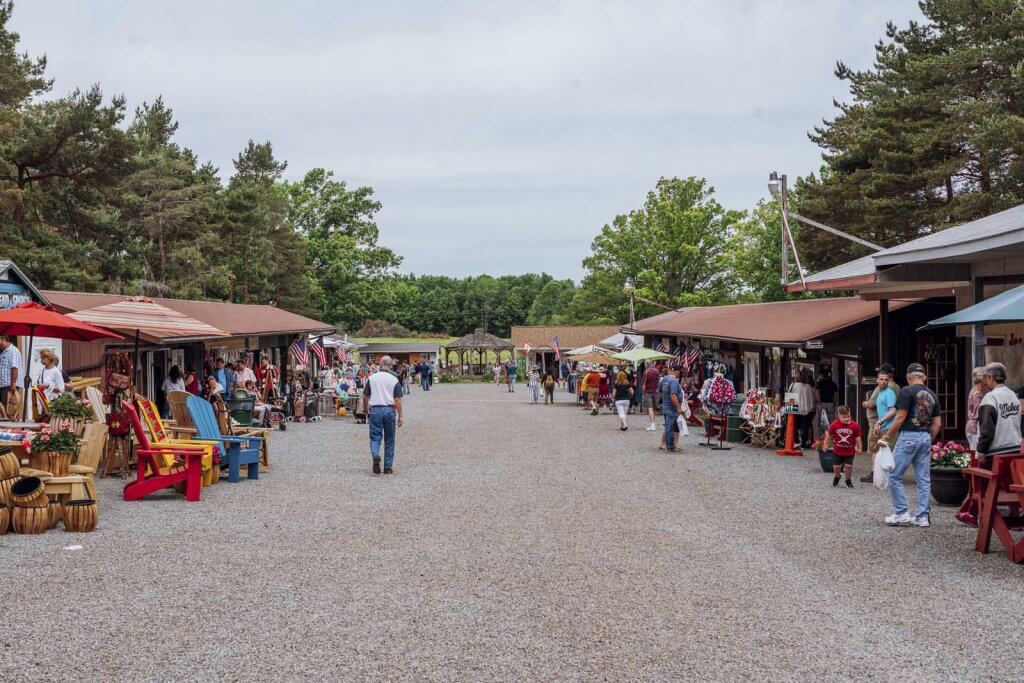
(5, 519)
(56, 513)
(10, 467)
(5, 490)
(60, 464)
(30, 520)
(81, 515)
(29, 492)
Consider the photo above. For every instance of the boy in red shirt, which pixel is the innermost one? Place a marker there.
(844, 437)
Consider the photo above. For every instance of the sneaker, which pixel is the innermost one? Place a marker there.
(868, 478)
(849, 484)
(899, 520)
(922, 520)
(376, 466)
(388, 470)
(835, 481)
(622, 429)
(652, 428)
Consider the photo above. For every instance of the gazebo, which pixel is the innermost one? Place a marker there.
(479, 341)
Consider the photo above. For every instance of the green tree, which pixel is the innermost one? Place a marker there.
(551, 305)
(344, 260)
(934, 134)
(673, 248)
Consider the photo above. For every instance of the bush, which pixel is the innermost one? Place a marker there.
(446, 378)
(382, 328)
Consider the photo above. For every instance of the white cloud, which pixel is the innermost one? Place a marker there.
(499, 137)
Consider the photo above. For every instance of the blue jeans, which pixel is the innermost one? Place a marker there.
(912, 448)
(383, 421)
(511, 383)
(670, 435)
(425, 382)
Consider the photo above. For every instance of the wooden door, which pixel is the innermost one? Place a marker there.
(941, 356)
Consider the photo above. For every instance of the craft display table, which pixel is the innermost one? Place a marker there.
(1000, 504)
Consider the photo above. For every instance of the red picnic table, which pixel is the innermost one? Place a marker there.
(1000, 502)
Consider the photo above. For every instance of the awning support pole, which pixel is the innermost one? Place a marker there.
(978, 330)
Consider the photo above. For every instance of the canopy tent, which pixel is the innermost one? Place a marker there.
(1007, 307)
(144, 317)
(31, 319)
(617, 340)
(586, 350)
(641, 354)
(601, 358)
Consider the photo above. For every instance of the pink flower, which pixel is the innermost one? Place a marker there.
(44, 438)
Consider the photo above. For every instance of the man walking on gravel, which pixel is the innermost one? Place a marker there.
(650, 386)
(918, 422)
(382, 402)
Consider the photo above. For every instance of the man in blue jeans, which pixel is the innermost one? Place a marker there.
(382, 402)
(671, 405)
(918, 422)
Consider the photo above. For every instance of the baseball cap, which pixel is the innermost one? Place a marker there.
(916, 368)
(887, 368)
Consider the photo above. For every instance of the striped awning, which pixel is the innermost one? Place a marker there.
(150, 319)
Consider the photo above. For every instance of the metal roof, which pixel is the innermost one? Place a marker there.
(239, 320)
(859, 268)
(775, 323)
(995, 231)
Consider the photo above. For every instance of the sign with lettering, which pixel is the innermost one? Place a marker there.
(12, 299)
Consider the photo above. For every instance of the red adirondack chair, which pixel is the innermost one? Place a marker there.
(1002, 494)
(156, 465)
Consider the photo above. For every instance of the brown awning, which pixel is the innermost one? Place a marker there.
(785, 323)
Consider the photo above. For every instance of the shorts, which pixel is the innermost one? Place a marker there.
(650, 400)
(845, 460)
(592, 394)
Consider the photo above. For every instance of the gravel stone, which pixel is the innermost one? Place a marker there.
(514, 542)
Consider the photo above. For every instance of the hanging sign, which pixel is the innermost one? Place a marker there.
(814, 344)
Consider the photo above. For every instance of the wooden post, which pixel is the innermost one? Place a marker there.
(977, 331)
(883, 331)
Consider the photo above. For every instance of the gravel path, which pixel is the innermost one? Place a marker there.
(514, 542)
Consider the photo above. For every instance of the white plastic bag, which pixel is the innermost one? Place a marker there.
(684, 429)
(686, 409)
(884, 464)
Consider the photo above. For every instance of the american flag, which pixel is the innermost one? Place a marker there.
(558, 351)
(629, 345)
(341, 354)
(680, 354)
(692, 357)
(662, 346)
(300, 351)
(321, 353)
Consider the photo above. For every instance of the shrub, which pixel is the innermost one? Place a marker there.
(382, 328)
(66, 405)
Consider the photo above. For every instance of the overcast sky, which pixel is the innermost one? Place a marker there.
(500, 137)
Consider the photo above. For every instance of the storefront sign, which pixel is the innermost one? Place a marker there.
(10, 300)
(814, 344)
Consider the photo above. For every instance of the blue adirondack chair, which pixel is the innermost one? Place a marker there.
(240, 450)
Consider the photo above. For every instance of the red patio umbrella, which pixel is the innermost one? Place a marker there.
(30, 319)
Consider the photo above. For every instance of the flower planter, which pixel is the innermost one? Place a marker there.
(10, 467)
(826, 459)
(60, 464)
(72, 424)
(949, 487)
(29, 492)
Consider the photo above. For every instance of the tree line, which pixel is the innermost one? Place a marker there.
(95, 198)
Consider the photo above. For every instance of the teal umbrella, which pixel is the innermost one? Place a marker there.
(1007, 307)
(639, 354)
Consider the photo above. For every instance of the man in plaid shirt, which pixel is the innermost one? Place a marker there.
(10, 367)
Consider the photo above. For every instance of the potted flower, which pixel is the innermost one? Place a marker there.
(53, 449)
(825, 458)
(949, 487)
(69, 412)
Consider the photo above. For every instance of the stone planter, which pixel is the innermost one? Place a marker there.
(949, 487)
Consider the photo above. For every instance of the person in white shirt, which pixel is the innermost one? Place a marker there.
(243, 373)
(50, 378)
(382, 403)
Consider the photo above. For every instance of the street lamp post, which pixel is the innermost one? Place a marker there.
(630, 289)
